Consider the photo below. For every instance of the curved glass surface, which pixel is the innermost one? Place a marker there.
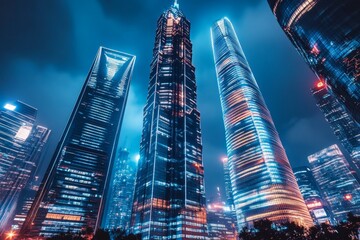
(262, 180)
(327, 34)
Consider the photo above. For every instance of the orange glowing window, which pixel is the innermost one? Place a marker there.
(63, 217)
(348, 197)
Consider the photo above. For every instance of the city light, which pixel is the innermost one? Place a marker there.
(320, 84)
(348, 197)
(23, 133)
(10, 107)
(137, 157)
(10, 235)
(314, 204)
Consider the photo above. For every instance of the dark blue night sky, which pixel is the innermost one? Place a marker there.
(47, 48)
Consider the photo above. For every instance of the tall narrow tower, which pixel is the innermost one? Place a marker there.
(345, 128)
(71, 195)
(169, 201)
(262, 181)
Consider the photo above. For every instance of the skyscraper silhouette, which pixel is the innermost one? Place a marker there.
(263, 183)
(72, 193)
(169, 201)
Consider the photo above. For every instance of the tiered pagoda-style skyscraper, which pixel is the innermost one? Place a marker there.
(327, 34)
(262, 180)
(169, 201)
(72, 194)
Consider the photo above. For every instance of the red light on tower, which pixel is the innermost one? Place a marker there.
(320, 84)
(224, 159)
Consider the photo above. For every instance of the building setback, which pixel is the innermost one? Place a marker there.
(327, 34)
(336, 182)
(71, 195)
(262, 180)
(169, 201)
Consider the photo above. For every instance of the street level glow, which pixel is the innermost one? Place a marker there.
(137, 157)
(10, 235)
(10, 107)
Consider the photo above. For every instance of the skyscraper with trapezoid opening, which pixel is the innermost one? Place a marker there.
(72, 194)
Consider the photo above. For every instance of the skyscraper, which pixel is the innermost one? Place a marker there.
(318, 207)
(327, 34)
(341, 122)
(21, 144)
(26, 199)
(227, 179)
(121, 192)
(339, 187)
(169, 201)
(221, 221)
(262, 180)
(71, 195)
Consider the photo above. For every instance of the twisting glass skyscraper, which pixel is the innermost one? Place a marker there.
(341, 122)
(169, 201)
(327, 34)
(71, 195)
(262, 181)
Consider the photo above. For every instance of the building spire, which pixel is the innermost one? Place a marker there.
(176, 4)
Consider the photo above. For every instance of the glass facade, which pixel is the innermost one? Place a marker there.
(327, 34)
(227, 179)
(341, 122)
(121, 192)
(262, 180)
(317, 206)
(24, 204)
(339, 187)
(71, 195)
(21, 144)
(221, 222)
(169, 201)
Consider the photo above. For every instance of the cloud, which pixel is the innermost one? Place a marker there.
(132, 124)
(40, 31)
